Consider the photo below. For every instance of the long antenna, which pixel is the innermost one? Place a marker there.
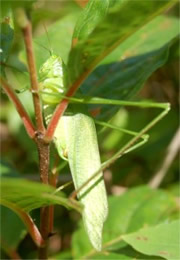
(43, 47)
(50, 45)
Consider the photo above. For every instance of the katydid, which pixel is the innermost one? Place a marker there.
(76, 141)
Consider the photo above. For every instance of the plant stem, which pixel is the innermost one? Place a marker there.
(19, 107)
(27, 33)
(43, 150)
(42, 146)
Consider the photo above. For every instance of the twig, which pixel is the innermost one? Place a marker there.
(172, 150)
(26, 27)
(19, 107)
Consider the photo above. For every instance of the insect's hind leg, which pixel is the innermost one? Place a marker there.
(131, 145)
(144, 137)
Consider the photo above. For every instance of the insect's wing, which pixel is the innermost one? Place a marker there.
(78, 136)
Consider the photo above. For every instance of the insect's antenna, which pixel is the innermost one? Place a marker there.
(43, 47)
(45, 28)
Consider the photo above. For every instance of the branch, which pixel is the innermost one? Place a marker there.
(19, 107)
(27, 33)
(172, 150)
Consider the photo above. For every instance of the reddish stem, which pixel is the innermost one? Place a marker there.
(19, 107)
(27, 32)
(32, 228)
(30, 225)
(43, 149)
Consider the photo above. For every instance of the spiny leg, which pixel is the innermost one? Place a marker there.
(129, 146)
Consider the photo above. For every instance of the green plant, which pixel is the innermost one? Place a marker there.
(74, 134)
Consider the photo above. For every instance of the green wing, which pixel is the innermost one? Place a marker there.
(80, 142)
(76, 141)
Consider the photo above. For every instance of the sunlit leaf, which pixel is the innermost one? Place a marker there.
(28, 195)
(136, 208)
(162, 240)
(111, 25)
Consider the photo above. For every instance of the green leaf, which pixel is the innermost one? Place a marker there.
(92, 15)
(162, 240)
(110, 256)
(152, 36)
(136, 208)
(6, 38)
(109, 28)
(28, 195)
(65, 255)
(58, 39)
(124, 253)
(12, 229)
(138, 57)
(124, 79)
(7, 170)
(51, 12)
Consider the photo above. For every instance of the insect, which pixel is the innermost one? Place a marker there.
(76, 141)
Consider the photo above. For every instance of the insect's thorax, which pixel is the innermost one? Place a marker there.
(52, 79)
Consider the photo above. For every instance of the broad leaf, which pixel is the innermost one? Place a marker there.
(124, 253)
(6, 38)
(162, 240)
(122, 80)
(127, 213)
(12, 229)
(96, 36)
(28, 195)
(7, 170)
(57, 39)
(152, 36)
(10, 5)
(127, 68)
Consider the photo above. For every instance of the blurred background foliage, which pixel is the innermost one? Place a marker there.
(18, 152)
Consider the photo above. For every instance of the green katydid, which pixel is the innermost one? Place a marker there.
(75, 135)
(76, 141)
